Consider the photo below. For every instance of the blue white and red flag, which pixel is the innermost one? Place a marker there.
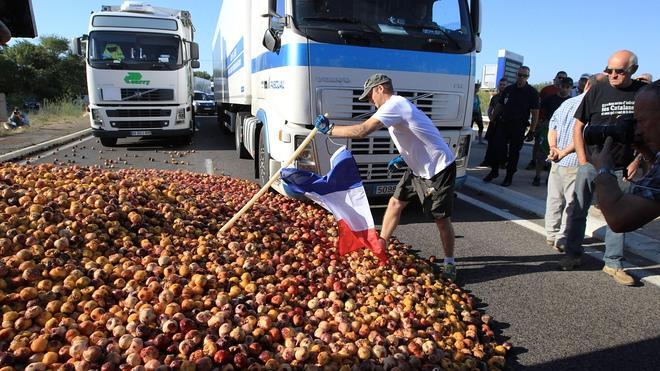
(341, 192)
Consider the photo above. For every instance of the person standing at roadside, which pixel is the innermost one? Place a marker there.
(548, 106)
(601, 105)
(547, 91)
(492, 124)
(516, 104)
(431, 172)
(560, 202)
(476, 112)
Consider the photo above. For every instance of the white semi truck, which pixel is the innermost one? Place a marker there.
(278, 64)
(139, 72)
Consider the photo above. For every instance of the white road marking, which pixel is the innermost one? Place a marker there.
(209, 166)
(640, 273)
(56, 149)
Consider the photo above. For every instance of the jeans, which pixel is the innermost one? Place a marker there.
(560, 202)
(585, 186)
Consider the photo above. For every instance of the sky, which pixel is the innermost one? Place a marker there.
(576, 36)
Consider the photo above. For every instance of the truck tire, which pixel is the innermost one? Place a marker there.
(263, 160)
(109, 142)
(241, 151)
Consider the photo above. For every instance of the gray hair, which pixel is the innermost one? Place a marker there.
(633, 60)
(596, 78)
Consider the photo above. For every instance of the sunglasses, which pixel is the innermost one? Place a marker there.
(523, 75)
(619, 71)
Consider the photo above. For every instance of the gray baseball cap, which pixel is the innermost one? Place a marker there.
(373, 81)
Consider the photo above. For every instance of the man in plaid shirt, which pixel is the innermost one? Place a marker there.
(627, 212)
(561, 182)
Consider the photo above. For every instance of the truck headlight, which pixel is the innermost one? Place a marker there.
(307, 158)
(96, 116)
(463, 149)
(180, 115)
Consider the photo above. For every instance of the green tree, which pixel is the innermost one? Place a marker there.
(55, 45)
(24, 53)
(46, 70)
(202, 74)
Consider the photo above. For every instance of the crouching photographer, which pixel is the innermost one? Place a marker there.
(623, 211)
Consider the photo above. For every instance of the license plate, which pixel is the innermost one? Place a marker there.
(385, 189)
(140, 133)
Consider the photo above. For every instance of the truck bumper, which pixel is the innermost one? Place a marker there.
(99, 133)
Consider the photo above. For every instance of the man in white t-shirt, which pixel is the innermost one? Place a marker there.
(431, 169)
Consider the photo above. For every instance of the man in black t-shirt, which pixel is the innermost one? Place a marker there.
(601, 105)
(516, 103)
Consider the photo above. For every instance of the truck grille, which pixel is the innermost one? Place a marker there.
(146, 95)
(375, 172)
(372, 146)
(344, 104)
(139, 124)
(139, 112)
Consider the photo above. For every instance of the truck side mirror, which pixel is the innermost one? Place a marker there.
(475, 16)
(194, 51)
(272, 40)
(272, 8)
(76, 46)
(194, 64)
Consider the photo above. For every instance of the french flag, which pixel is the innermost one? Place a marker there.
(341, 192)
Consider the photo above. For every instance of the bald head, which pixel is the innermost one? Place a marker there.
(620, 68)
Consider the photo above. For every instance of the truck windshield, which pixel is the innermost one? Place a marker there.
(135, 51)
(402, 24)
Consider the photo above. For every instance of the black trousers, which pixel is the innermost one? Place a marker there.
(511, 135)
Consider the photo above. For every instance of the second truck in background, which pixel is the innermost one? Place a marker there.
(278, 64)
(139, 72)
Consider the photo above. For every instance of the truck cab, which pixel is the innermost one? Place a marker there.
(278, 64)
(139, 62)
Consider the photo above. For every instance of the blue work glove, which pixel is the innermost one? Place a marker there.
(323, 124)
(396, 164)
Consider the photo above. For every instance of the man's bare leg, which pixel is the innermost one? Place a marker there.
(392, 217)
(446, 235)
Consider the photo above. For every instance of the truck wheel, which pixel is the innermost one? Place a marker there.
(241, 151)
(109, 142)
(263, 160)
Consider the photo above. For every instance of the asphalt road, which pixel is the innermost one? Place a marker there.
(555, 320)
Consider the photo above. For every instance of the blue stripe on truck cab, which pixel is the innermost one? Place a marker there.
(347, 56)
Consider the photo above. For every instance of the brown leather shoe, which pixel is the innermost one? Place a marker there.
(619, 275)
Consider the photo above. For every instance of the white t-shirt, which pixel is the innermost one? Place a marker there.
(419, 142)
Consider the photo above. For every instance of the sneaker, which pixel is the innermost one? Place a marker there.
(569, 263)
(449, 271)
(492, 175)
(619, 275)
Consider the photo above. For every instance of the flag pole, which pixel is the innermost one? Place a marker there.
(270, 182)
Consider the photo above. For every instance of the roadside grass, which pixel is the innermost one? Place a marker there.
(51, 112)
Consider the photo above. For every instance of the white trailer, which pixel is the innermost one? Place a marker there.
(278, 64)
(139, 62)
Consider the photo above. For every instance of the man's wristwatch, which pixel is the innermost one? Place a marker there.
(604, 170)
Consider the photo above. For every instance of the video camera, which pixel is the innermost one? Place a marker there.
(622, 131)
